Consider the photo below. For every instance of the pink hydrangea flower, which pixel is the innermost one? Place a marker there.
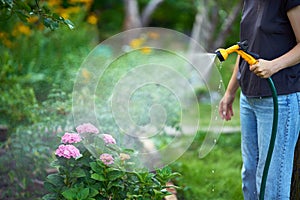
(87, 128)
(107, 159)
(71, 138)
(108, 139)
(68, 151)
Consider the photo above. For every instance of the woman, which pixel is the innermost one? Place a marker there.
(272, 29)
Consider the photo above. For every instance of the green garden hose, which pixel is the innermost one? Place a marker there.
(272, 140)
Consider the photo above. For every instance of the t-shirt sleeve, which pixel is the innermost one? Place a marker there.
(291, 4)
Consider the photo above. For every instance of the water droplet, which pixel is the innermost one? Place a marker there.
(213, 171)
(220, 65)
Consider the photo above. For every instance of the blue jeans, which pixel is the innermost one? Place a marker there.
(256, 127)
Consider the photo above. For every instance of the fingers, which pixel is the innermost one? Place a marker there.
(225, 111)
(259, 70)
(256, 70)
(228, 114)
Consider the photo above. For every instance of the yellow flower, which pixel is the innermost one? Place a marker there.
(53, 3)
(73, 9)
(33, 19)
(65, 15)
(7, 43)
(66, 12)
(136, 43)
(82, 1)
(146, 50)
(21, 29)
(92, 19)
(2, 35)
(4, 40)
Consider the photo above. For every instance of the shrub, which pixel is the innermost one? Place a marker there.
(97, 168)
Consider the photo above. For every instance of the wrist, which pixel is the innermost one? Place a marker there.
(276, 66)
(230, 93)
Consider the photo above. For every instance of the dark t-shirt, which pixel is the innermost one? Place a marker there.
(267, 28)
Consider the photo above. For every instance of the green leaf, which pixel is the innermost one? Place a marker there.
(174, 174)
(50, 187)
(96, 167)
(23, 17)
(70, 194)
(128, 151)
(54, 25)
(158, 194)
(77, 173)
(69, 24)
(166, 171)
(56, 16)
(46, 9)
(155, 181)
(21, 5)
(98, 177)
(144, 176)
(56, 180)
(115, 184)
(47, 22)
(55, 163)
(50, 197)
(113, 175)
(93, 192)
(10, 3)
(84, 193)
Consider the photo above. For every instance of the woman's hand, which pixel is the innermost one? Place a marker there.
(225, 106)
(263, 68)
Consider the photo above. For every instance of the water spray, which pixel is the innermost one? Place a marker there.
(139, 86)
(241, 48)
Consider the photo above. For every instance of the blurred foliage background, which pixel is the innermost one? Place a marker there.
(43, 43)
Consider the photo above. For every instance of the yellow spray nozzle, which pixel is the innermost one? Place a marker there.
(241, 49)
(222, 54)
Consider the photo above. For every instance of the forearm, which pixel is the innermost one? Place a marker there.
(225, 105)
(289, 59)
(233, 84)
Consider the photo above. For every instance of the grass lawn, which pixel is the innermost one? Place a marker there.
(217, 176)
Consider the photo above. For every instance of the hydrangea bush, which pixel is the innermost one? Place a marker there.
(91, 166)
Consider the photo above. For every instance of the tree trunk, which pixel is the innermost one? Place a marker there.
(133, 19)
(202, 26)
(295, 188)
(132, 16)
(3, 133)
(149, 10)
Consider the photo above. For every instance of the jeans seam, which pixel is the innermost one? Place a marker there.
(284, 148)
(298, 99)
